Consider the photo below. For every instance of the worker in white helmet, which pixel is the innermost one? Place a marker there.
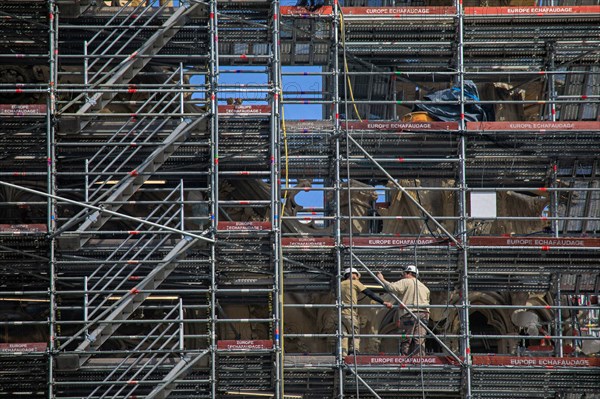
(414, 295)
(351, 287)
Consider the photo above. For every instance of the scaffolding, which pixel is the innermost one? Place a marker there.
(156, 240)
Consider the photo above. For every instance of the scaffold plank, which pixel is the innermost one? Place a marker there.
(399, 11)
(244, 226)
(245, 110)
(399, 361)
(25, 347)
(533, 11)
(23, 110)
(545, 243)
(18, 229)
(547, 362)
(533, 126)
(245, 345)
(400, 126)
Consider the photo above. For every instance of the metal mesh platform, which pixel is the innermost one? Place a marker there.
(23, 376)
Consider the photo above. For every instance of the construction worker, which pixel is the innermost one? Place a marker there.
(414, 295)
(351, 287)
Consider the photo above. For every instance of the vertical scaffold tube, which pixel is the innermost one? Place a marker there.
(336, 184)
(50, 184)
(275, 175)
(559, 352)
(462, 203)
(214, 184)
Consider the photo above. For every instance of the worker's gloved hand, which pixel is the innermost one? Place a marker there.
(388, 305)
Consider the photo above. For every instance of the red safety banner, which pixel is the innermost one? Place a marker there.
(244, 110)
(244, 345)
(23, 109)
(420, 11)
(533, 11)
(393, 241)
(308, 125)
(533, 126)
(384, 360)
(400, 126)
(25, 347)
(307, 242)
(244, 226)
(536, 361)
(23, 228)
(534, 242)
(303, 11)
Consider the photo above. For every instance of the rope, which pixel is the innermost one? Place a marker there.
(349, 83)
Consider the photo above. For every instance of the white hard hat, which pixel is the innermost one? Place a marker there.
(411, 269)
(351, 270)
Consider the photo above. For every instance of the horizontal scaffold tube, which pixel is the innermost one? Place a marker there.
(123, 382)
(453, 336)
(494, 306)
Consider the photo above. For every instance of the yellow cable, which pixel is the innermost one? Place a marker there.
(285, 194)
(285, 149)
(343, 34)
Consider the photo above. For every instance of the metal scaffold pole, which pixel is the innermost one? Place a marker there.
(213, 76)
(51, 187)
(465, 344)
(275, 99)
(337, 129)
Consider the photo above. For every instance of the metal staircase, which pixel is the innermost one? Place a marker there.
(148, 267)
(149, 360)
(158, 119)
(128, 160)
(114, 291)
(117, 57)
(121, 55)
(118, 288)
(128, 185)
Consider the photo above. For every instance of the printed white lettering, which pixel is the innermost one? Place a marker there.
(545, 10)
(398, 11)
(541, 125)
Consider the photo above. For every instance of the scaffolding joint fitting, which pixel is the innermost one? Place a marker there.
(90, 100)
(90, 337)
(93, 217)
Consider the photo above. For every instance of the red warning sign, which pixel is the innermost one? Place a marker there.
(234, 345)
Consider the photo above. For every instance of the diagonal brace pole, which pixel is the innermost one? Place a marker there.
(401, 188)
(412, 314)
(359, 378)
(181, 369)
(103, 210)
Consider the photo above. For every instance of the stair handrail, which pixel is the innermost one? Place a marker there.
(139, 346)
(111, 276)
(133, 134)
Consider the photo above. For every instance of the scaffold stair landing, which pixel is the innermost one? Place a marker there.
(107, 322)
(128, 186)
(73, 8)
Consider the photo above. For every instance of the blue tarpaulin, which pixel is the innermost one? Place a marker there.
(451, 112)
